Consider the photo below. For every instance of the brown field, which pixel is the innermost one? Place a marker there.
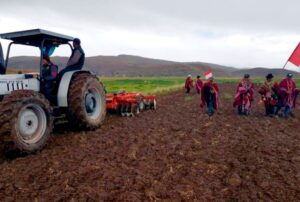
(172, 154)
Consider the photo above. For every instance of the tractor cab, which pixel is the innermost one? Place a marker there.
(45, 79)
(45, 41)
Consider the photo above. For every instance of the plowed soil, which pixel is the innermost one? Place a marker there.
(175, 153)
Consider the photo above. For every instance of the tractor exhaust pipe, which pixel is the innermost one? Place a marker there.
(2, 62)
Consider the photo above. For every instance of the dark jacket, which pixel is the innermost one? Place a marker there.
(81, 60)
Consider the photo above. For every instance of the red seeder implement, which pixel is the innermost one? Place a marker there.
(129, 104)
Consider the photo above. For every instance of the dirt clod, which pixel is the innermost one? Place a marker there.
(176, 153)
(234, 180)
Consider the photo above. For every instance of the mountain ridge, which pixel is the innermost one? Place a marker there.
(129, 65)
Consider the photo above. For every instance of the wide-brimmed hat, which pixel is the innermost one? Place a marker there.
(246, 76)
(269, 76)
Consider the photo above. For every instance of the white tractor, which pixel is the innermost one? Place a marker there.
(30, 102)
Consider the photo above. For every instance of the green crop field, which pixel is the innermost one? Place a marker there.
(145, 85)
(298, 82)
(157, 85)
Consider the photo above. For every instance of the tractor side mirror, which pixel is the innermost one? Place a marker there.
(2, 63)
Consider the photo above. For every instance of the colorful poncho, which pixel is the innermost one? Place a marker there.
(288, 93)
(210, 90)
(244, 93)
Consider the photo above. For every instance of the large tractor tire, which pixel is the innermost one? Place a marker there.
(27, 117)
(86, 100)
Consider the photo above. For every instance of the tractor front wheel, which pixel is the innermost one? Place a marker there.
(26, 115)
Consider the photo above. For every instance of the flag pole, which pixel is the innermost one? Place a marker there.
(285, 63)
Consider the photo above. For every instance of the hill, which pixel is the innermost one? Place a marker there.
(127, 65)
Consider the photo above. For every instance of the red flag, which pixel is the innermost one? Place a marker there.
(295, 57)
(208, 74)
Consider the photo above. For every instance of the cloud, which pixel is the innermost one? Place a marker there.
(238, 33)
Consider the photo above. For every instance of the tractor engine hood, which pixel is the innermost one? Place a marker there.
(12, 82)
(12, 77)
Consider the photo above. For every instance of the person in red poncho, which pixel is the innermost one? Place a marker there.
(188, 84)
(288, 93)
(199, 84)
(210, 96)
(244, 95)
(269, 91)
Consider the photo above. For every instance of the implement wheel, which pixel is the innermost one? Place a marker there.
(135, 109)
(153, 104)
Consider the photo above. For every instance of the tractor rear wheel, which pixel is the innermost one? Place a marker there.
(86, 100)
(26, 116)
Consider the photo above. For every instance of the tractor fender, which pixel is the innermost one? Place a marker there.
(62, 95)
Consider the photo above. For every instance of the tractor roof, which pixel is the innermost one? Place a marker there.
(36, 36)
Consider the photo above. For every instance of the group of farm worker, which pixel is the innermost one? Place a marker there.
(209, 91)
(278, 99)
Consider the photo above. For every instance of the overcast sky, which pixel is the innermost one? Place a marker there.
(240, 33)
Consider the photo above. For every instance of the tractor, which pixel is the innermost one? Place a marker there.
(31, 102)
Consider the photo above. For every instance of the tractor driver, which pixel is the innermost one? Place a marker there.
(49, 70)
(76, 60)
(49, 74)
